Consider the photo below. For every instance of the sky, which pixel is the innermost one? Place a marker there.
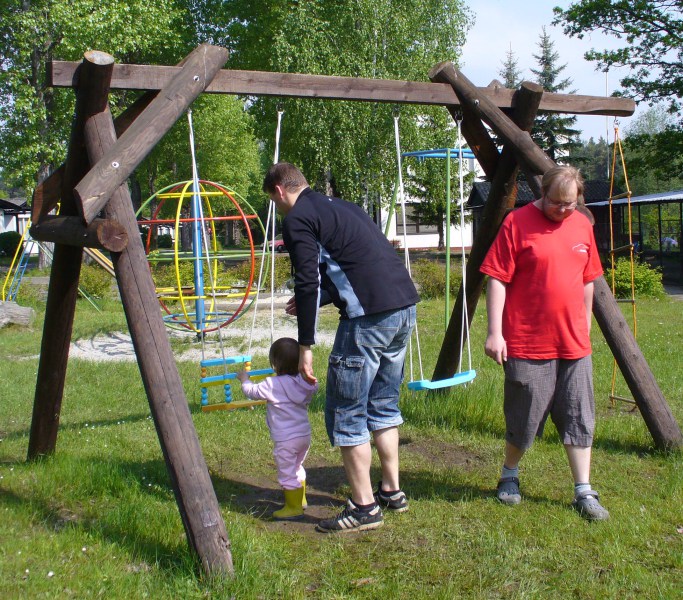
(502, 25)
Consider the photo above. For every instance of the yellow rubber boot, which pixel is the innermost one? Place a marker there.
(292, 508)
(304, 502)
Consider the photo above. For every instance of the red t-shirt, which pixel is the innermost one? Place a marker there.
(545, 265)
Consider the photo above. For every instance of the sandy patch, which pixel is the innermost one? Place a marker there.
(234, 340)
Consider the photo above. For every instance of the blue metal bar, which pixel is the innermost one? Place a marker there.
(440, 153)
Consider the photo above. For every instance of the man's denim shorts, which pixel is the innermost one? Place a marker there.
(364, 375)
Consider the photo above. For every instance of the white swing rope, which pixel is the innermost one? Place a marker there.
(195, 185)
(465, 321)
(402, 200)
(270, 226)
(464, 315)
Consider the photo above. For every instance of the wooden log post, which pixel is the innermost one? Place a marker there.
(114, 167)
(660, 421)
(187, 469)
(637, 374)
(501, 198)
(103, 234)
(62, 291)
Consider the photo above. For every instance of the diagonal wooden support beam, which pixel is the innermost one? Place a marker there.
(53, 188)
(119, 161)
(501, 198)
(653, 406)
(182, 452)
(520, 141)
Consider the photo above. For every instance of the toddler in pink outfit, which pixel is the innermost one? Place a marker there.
(287, 395)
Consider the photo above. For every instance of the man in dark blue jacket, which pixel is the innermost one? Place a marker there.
(339, 255)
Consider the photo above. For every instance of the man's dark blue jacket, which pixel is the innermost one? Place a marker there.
(340, 255)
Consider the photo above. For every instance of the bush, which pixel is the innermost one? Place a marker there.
(647, 280)
(165, 274)
(164, 240)
(95, 281)
(430, 278)
(283, 272)
(9, 242)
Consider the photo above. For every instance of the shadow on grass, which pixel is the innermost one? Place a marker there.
(90, 423)
(327, 489)
(53, 514)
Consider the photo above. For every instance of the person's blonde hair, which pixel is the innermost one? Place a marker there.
(563, 176)
(285, 174)
(284, 356)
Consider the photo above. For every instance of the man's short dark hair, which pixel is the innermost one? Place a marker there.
(284, 174)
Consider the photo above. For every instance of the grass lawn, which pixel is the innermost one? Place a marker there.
(98, 519)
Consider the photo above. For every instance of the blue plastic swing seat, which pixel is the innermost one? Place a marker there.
(457, 379)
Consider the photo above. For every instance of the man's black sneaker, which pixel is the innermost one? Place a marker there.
(396, 501)
(352, 519)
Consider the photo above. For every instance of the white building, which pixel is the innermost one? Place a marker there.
(419, 235)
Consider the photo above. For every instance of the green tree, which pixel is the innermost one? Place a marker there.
(651, 32)
(652, 48)
(511, 73)
(594, 158)
(346, 146)
(35, 119)
(554, 133)
(653, 149)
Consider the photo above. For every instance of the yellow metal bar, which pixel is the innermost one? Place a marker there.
(232, 405)
(20, 247)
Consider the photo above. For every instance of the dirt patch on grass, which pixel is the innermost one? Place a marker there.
(260, 496)
(442, 454)
(326, 484)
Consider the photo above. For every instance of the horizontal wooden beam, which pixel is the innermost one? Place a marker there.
(103, 234)
(297, 85)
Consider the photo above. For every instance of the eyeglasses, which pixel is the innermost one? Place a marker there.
(560, 205)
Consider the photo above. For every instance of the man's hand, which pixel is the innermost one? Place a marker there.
(290, 309)
(306, 364)
(242, 375)
(496, 348)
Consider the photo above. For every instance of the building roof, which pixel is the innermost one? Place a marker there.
(594, 193)
(661, 197)
(14, 205)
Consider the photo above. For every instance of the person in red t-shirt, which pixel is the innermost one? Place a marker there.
(541, 269)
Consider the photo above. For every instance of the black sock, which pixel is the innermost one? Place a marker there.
(365, 508)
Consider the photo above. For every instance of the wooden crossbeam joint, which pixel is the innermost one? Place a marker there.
(104, 234)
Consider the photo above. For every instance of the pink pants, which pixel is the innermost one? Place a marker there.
(289, 459)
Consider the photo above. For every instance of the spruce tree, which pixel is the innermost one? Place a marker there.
(510, 72)
(553, 132)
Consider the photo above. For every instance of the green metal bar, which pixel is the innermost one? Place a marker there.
(392, 207)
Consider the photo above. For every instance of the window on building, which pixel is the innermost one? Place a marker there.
(413, 224)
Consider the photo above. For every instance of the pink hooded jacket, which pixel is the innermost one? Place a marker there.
(288, 397)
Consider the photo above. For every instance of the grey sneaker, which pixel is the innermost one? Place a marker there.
(352, 519)
(588, 506)
(508, 491)
(397, 502)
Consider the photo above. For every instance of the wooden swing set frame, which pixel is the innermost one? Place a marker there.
(104, 151)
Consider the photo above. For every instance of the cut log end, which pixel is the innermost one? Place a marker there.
(98, 57)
